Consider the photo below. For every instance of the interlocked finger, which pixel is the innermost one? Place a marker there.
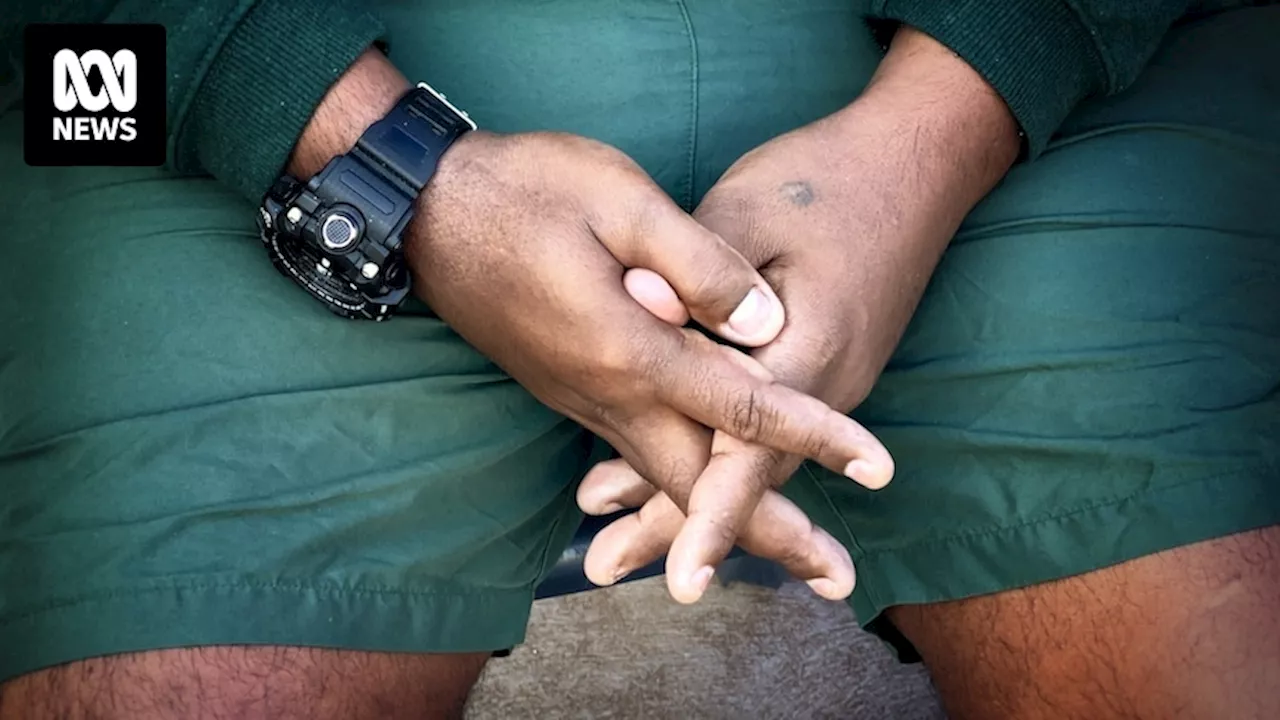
(776, 530)
(611, 486)
(725, 396)
(633, 541)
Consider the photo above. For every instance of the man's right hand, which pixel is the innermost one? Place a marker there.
(521, 244)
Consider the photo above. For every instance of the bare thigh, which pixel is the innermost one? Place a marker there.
(280, 683)
(1192, 632)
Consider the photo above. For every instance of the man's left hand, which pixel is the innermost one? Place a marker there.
(846, 218)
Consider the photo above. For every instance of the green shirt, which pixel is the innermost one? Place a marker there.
(230, 119)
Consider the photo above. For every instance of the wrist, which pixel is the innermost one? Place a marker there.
(364, 94)
(338, 222)
(932, 111)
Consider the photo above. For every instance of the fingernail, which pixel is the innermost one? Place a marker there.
(619, 574)
(823, 587)
(865, 474)
(752, 314)
(702, 578)
(611, 508)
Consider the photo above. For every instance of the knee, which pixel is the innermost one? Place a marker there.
(274, 682)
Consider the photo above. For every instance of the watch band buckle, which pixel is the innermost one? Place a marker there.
(454, 108)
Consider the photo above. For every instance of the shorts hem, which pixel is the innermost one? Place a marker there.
(253, 612)
(1071, 543)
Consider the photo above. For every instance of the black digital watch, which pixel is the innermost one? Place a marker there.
(339, 234)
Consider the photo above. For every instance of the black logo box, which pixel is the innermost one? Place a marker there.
(41, 43)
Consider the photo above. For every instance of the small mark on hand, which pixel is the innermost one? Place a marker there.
(799, 192)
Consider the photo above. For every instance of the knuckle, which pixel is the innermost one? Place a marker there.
(763, 466)
(816, 444)
(612, 157)
(795, 553)
(722, 529)
(556, 141)
(647, 358)
(600, 413)
(825, 347)
(643, 213)
(648, 212)
(634, 357)
(861, 385)
(675, 476)
(748, 417)
(613, 360)
(815, 353)
(589, 400)
(630, 216)
(718, 284)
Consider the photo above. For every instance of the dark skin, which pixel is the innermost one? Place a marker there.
(246, 683)
(1191, 632)
(847, 219)
(1187, 633)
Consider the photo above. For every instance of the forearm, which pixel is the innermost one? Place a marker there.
(913, 155)
(939, 135)
(1043, 56)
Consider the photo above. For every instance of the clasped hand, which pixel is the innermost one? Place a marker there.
(559, 259)
(522, 246)
(846, 218)
(795, 210)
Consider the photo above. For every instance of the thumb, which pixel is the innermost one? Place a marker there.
(713, 281)
(655, 295)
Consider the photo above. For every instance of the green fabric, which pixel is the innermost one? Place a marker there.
(1092, 374)
(193, 452)
(1045, 56)
(244, 76)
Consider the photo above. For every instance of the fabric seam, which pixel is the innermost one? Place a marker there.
(694, 78)
(547, 560)
(1196, 131)
(1099, 53)
(831, 505)
(124, 593)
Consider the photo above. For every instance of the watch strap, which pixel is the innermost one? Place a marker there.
(408, 142)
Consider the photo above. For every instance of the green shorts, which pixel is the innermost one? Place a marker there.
(193, 452)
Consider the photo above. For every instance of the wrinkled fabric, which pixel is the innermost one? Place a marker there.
(193, 452)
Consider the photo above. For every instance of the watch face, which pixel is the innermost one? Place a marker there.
(318, 274)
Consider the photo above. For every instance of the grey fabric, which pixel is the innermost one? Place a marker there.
(743, 653)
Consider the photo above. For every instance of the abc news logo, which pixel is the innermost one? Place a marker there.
(71, 90)
(94, 95)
